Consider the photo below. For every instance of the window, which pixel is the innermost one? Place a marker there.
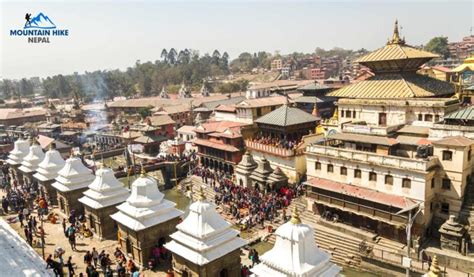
(436, 118)
(330, 168)
(348, 114)
(317, 166)
(354, 114)
(259, 111)
(446, 184)
(382, 119)
(447, 155)
(428, 117)
(343, 113)
(433, 183)
(344, 171)
(388, 179)
(357, 173)
(445, 208)
(372, 176)
(406, 183)
(420, 117)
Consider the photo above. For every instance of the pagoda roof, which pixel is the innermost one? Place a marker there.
(395, 85)
(286, 116)
(277, 176)
(468, 64)
(20, 150)
(262, 171)
(204, 235)
(247, 164)
(105, 190)
(33, 159)
(49, 167)
(73, 176)
(396, 56)
(295, 254)
(146, 206)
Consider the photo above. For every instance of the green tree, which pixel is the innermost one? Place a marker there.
(438, 45)
(145, 112)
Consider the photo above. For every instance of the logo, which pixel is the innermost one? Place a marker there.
(39, 29)
(40, 21)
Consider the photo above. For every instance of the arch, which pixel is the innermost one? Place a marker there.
(224, 273)
(185, 273)
(241, 182)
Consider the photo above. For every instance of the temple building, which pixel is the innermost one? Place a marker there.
(204, 90)
(205, 244)
(145, 219)
(30, 163)
(281, 139)
(184, 91)
(220, 144)
(47, 172)
(463, 78)
(164, 93)
(244, 169)
(295, 254)
(16, 156)
(100, 201)
(71, 182)
(395, 67)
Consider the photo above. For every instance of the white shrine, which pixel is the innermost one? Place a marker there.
(145, 219)
(295, 254)
(21, 148)
(30, 163)
(205, 244)
(71, 182)
(100, 201)
(47, 172)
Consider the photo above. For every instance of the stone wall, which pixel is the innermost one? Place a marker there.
(229, 262)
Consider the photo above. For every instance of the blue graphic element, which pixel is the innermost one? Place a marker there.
(40, 21)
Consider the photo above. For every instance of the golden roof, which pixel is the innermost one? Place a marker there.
(395, 85)
(396, 50)
(468, 64)
(435, 271)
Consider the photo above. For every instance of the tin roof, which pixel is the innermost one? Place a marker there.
(463, 114)
(286, 116)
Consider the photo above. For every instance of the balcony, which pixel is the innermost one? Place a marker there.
(373, 158)
(359, 128)
(269, 149)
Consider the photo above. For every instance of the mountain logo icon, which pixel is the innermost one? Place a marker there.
(41, 21)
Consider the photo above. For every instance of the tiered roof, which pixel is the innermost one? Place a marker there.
(105, 190)
(33, 159)
(277, 176)
(295, 254)
(73, 176)
(395, 66)
(146, 206)
(262, 171)
(48, 168)
(19, 152)
(286, 116)
(247, 165)
(204, 235)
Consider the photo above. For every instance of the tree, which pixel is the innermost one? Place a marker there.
(438, 45)
(145, 112)
(216, 57)
(164, 55)
(172, 56)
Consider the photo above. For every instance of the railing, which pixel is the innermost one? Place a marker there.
(269, 149)
(369, 129)
(363, 209)
(373, 158)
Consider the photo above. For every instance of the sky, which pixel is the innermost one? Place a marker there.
(107, 35)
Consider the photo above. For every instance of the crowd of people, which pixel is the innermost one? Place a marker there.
(249, 206)
(277, 142)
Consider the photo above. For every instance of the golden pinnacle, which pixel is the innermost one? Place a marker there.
(435, 271)
(295, 217)
(142, 171)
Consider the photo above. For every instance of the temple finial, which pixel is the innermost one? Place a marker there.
(142, 171)
(435, 271)
(295, 217)
(396, 35)
(201, 195)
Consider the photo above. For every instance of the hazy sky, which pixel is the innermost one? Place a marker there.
(114, 34)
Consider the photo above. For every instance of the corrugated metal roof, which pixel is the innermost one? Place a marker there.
(395, 85)
(286, 116)
(463, 114)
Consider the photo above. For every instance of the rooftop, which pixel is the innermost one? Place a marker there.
(454, 141)
(364, 138)
(466, 113)
(286, 116)
(262, 102)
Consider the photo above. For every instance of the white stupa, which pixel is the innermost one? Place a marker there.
(73, 176)
(21, 148)
(104, 191)
(204, 235)
(49, 167)
(31, 162)
(295, 254)
(146, 206)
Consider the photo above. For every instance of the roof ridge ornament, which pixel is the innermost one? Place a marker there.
(396, 36)
(295, 216)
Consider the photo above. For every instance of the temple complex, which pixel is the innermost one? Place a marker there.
(30, 163)
(16, 156)
(145, 219)
(71, 182)
(100, 201)
(205, 244)
(295, 254)
(47, 172)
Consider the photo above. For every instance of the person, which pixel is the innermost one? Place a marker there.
(88, 258)
(49, 261)
(41, 234)
(109, 272)
(64, 226)
(20, 218)
(95, 256)
(120, 269)
(69, 266)
(104, 262)
(5, 204)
